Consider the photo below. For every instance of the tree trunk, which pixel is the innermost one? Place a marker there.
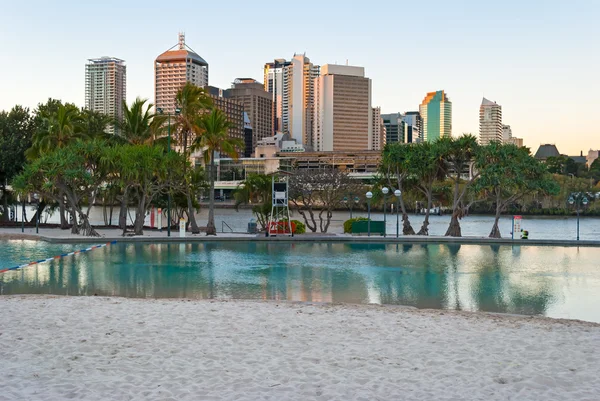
(210, 227)
(75, 225)
(123, 211)
(38, 212)
(191, 215)
(454, 227)
(5, 211)
(425, 227)
(495, 233)
(406, 227)
(64, 224)
(140, 215)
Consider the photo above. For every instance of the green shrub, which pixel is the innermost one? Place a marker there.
(348, 224)
(300, 227)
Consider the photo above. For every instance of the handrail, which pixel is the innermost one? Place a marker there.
(225, 224)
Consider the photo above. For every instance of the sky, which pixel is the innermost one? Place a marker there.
(539, 59)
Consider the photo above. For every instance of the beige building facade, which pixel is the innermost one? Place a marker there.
(490, 122)
(343, 116)
(172, 69)
(291, 84)
(106, 88)
(257, 103)
(379, 131)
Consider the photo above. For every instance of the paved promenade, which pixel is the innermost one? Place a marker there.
(56, 235)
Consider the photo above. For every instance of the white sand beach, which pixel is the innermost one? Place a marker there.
(92, 348)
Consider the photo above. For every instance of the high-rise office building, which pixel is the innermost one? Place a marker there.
(395, 127)
(233, 109)
(105, 87)
(343, 114)
(172, 69)
(506, 134)
(378, 140)
(414, 126)
(490, 122)
(436, 111)
(258, 104)
(292, 86)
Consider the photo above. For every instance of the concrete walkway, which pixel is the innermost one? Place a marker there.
(56, 235)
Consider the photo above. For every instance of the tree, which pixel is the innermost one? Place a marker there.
(139, 125)
(395, 168)
(507, 173)
(93, 124)
(146, 172)
(56, 130)
(74, 172)
(322, 191)
(16, 131)
(215, 138)
(458, 155)
(193, 103)
(256, 189)
(426, 166)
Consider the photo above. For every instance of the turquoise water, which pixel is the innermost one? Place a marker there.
(552, 281)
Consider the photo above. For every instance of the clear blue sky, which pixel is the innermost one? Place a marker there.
(539, 59)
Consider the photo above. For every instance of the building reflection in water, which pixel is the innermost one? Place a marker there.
(527, 280)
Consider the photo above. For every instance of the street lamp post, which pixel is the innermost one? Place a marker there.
(369, 195)
(177, 111)
(385, 191)
(397, 193)
(578, 200)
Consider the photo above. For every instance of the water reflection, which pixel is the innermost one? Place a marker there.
(527, 280)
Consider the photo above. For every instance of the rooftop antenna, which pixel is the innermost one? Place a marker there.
(181, 40)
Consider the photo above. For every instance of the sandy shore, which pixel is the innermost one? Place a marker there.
(56, 348)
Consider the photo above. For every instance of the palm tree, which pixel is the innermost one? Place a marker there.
(93, 124)
(139, 125)
(215, 138)
(192, 102)
(57, 128)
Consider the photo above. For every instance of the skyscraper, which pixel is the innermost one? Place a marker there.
(395, 127)
(105, 87)
(414, 127)
(343, 114)
(258, 104)
(234, 110)
(490, 122)
(378, 140)
(172, 69)
(436, 111)
(292, 86)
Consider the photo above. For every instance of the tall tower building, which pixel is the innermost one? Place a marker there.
(414, 127)
(343, 115)
(490, 122)
(436, 112)
(292, 86)
(105, 87)
(172, 69)
(378, 139)
(258, 104)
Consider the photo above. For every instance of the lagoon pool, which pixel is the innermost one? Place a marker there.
(561, 282)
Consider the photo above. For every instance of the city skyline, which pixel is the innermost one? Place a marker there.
(522, 60)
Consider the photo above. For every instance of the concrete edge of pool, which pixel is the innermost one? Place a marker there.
(412, 239)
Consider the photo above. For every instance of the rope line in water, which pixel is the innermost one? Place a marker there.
(57, 257)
